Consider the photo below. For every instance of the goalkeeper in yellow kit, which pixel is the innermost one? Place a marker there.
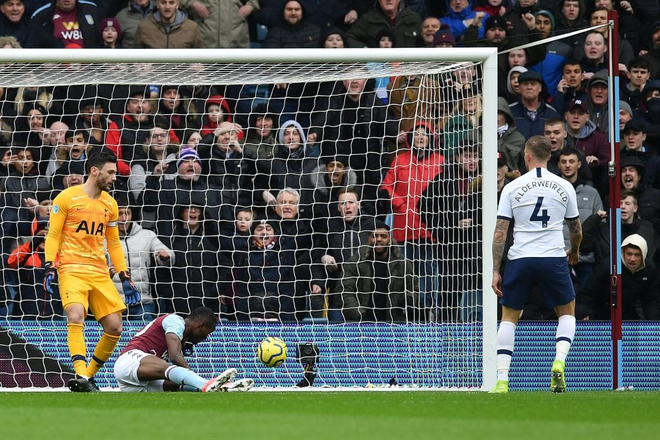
(81, 218)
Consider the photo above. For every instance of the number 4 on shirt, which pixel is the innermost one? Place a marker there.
(540, 215)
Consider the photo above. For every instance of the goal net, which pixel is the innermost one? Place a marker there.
(341, 199)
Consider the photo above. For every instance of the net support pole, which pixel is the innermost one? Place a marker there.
(615, 204)
(489, 219)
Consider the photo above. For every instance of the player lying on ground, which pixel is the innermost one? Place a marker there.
(143, 366)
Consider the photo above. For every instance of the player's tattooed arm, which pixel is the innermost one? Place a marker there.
(575, 235)
(499, 241)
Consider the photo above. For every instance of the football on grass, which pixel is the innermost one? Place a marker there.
(272, 352)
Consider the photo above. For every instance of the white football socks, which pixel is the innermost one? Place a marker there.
(505, 339)
(564, 336)
(183, 376)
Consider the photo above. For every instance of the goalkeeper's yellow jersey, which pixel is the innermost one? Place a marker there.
(78, 226)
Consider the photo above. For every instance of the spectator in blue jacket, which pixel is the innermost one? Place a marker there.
(460, 16)
(557, 52)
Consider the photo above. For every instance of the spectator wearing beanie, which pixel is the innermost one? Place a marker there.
(531, 111)
(385, 38)
(333, 38)
(444, 37)
(188, 187)
(110, 33)
(625, 114)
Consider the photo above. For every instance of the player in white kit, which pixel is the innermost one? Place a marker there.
(537, 203)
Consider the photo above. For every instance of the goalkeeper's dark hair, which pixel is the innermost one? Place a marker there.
(99, 159)
(204, 316)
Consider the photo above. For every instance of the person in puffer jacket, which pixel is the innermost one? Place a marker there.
(141, 246)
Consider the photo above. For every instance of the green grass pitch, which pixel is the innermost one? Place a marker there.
(331, 415)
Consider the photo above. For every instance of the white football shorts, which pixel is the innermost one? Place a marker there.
(126, 373)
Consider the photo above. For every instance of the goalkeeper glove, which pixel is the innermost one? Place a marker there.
(131, 294)
(50, 276)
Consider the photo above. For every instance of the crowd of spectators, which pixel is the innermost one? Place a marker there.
(356, 200)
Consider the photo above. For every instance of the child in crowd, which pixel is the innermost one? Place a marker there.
(216, 111)
(386, 39)
(333, 38)
(110, 31)
(235, 241)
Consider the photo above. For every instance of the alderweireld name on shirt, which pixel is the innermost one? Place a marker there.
(542, 183)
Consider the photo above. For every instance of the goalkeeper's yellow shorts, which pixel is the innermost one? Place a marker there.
(95, 292)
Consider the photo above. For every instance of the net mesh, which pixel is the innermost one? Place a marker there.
(265, 214)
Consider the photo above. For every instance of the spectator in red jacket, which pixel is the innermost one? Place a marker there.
(409, 175)
(217, 110)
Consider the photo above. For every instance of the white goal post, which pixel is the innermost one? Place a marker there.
(405, 343)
